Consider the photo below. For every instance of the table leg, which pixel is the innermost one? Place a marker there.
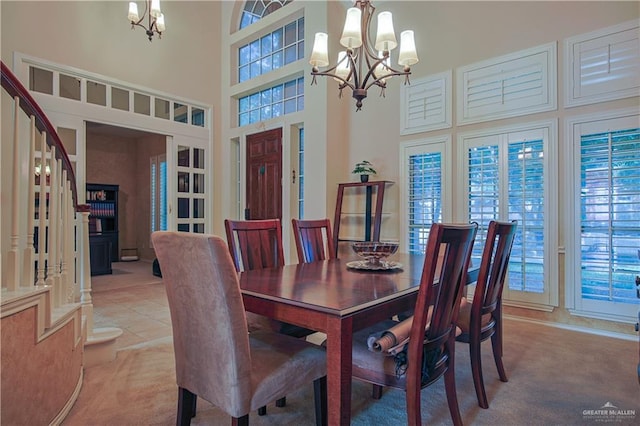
(339, 338)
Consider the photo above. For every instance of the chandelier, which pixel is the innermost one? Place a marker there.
(154, 15)
(360, 66)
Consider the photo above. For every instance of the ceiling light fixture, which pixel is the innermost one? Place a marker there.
(155, 16)
(360, 66)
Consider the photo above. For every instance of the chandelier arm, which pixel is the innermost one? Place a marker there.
(393, 72)
(144, 14)
(152, 27)
(329, 73)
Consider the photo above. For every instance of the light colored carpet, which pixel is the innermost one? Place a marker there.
(554, 376)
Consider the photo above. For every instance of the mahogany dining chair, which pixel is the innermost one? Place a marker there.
(482, 319)
(314, 240)
(429, 353)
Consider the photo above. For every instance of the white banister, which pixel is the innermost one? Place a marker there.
(85, 292)
(42, 210)
(52, 220)
(13, 259)
(29, 252)
(54, 247)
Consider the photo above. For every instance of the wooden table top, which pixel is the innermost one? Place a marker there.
(331, 287)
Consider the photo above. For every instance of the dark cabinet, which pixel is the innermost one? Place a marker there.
(103, 226)
(100, 254)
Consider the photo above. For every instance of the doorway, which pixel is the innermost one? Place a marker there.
(121, 156)
(264, 175)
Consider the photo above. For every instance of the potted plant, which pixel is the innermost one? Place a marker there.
(364, 168)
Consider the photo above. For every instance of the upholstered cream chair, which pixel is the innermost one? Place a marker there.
(216, 358)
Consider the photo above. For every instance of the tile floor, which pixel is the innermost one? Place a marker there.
(134, 300)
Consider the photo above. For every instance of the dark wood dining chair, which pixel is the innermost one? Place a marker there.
(430, 351)
(257, 244)
(314, 240)
(215, 356)
(482, 319)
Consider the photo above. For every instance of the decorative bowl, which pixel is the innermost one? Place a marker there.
(374, 251)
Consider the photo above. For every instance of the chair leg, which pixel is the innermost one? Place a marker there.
(452, 395)
(496, 344)
(476, 370)
(376, 391)
(262, 410)
(320, 399)
(240, 421)
(185, 407)
(193, 408)
(282, 402)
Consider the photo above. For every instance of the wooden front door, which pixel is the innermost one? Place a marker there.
(264, 175)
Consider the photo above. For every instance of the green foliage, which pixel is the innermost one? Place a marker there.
(364, 168)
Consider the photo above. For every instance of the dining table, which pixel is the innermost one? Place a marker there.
(330, 297)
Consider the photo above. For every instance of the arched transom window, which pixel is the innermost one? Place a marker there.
(254, 10)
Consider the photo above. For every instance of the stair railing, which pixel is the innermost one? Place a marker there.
(47, 225)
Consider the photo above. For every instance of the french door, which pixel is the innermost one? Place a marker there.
(188, 170)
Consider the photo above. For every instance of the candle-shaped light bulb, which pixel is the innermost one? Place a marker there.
(320, 53)
(160, 23)
(408, 55)
(342, 70)
(155, 8)
(386, 36)
(133, 11)
(352, 34)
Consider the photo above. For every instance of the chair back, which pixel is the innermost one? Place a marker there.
(493, 268)
(314, 240)
(255, 244)
(444, 274)
(210, 336)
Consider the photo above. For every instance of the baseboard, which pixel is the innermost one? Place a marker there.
(578, 328)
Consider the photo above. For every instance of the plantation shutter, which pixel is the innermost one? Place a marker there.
(424, 197)
(610, 215)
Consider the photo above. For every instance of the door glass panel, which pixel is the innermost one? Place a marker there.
(41, 80)
(183, 208)
(141, 104)
(190, 174)
(120, 99)
(162, 109)
(197, 117)
(183, 182)
(198, 158)
(96, 93)
(180, 113)
(183, 156)
(198, 183)
(198, 208)
(69, 87)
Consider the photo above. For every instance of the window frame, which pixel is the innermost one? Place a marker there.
(442, 145)
(547, 300)
(573, 287)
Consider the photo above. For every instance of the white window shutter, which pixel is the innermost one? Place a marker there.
(426, 104)
(512, 85)
(603, 65)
